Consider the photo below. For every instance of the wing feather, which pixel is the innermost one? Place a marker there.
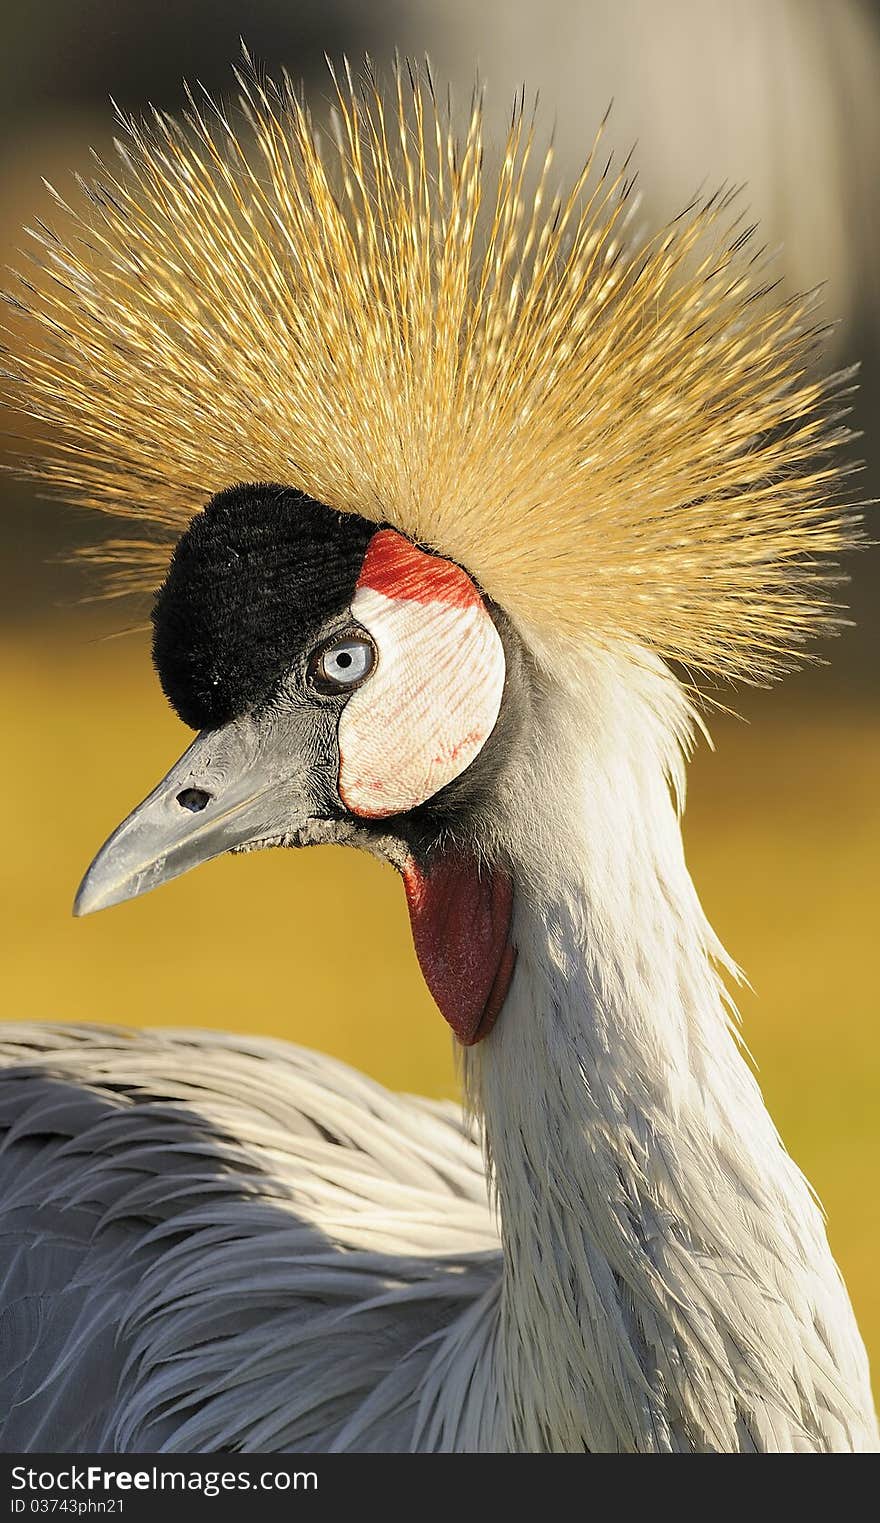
(213, 1243)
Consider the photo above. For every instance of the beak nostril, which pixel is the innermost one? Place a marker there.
(194, 799)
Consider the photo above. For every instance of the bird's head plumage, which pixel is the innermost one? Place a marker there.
(617, 442)
(412, 423)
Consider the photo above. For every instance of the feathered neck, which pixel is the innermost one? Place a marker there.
(668, 1284)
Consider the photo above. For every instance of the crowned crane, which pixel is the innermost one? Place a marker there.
(462, 481)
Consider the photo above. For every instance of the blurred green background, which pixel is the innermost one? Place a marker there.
(783, 821)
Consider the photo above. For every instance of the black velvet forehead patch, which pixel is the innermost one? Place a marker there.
(251, 583)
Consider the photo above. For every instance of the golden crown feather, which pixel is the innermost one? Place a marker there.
(618, 440)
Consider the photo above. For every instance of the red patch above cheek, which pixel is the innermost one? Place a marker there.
(460, 913)
(398, 569)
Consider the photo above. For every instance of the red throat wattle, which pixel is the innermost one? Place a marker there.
(460, 912)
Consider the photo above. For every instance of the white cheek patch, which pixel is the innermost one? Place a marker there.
(434, 697)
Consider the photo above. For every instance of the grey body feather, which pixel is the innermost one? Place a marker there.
(213, 1243)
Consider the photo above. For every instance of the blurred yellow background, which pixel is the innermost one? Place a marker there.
(783, 822)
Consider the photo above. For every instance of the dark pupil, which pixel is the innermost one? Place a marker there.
(343, 659)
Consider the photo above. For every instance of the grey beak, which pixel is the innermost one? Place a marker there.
(227, 790)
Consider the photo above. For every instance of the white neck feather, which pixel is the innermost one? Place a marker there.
(668, 1284)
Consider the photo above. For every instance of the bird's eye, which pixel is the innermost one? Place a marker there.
(342, 664)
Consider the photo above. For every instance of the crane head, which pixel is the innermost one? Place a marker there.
(621, 436)
(348, 687)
